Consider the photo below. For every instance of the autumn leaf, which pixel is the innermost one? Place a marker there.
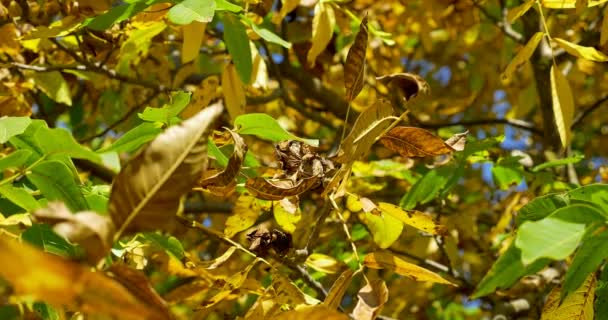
(266, 190)
(245, 213)
(337, 290)
(372, 298)
(193, 34)
(227, 176)
(215, 263)
(354, 67)
(577, 305)
(563, 105)
(234, 91)
(58, 281)
(414, 142)
(520, 10)
(323, 263)
(233, 282)
(522, 57)
(409, 85)
(576, 50)
(317, 312)
(322, 30)
(146, 193)
(414, 218)
(384, 260)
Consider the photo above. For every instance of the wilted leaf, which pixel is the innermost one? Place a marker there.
(578, 305)
(317, 312)
(262, 240)
(228, 175)
(372, 298)
(53, 85)
(233, 282)
(414, 218)
(382, 260)
(246, 211)
(323, 263)
(563, 105)
(519, 11)
(415, 142)
(410, 85)
(87, 228)
(188, 11)
(369, 125)
(147, 191)
(322, 30)
(58, 281)
(458, 141)
(354, 67)
(588, 53)
(193, 35)
(337, 290)
(265, 190)
(522, 56)
(234, 91)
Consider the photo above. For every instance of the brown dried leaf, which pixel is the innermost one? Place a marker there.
(55, 280)
(87, 228)
(414, 142)
(354, 68)
(458, 141)
(224, 181)
(372, 298)
(137, 283)
(409, 84)
(368, 126)
(264, 189)
(147, 191)
(337, 290)
(382, 260)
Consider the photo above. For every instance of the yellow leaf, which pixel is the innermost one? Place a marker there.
(53, 85)
(337, 290)
(235, 281)
(286, 292)
(372, 298)
(563, 104)
(323, 263)
(604, 32)
(201, 98)
(234, 91)
(414, 218)
(581, 5)
(287, 6)
(520, 10)
(522, 56)
(382, 260)
(287, 214)
(322, 30)
(193, 34)
(318, 312)
(245, 213)
(577, 305)
(385, 228)
(568, 4)
(588, 53)
(259, 74)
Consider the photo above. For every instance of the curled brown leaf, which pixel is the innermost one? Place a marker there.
(410, 85)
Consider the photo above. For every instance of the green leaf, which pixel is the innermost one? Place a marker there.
(12, 126)
(556, 236)
(265, 127)
(15, 159)
(587, 259)
(385, 229)
(557, 163)
(601, 293)
(542, 207)
(168, 112)
(596, 194)
(56, 182)
(192, 10)
(426, 188)
(223, 5)
(168, 243)
(506, 271)
(47, 312)
(60, 141)
(19, 197)
(135, 138)
(267, 34)
(237, 43)
(53, 85)
(117, 14)
(507, 172)
(42, 236)
(216, 153)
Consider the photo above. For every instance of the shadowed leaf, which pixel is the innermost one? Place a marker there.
(354, 68)
(383, 260)
(337, 290)
(264, 189)
(372, 298)
(410, 85)
(578, 305)
(227, 176)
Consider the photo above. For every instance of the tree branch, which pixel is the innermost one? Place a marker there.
(521, 124)
(501, 23)
(581, 116)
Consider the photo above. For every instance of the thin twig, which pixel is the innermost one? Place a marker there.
(581, 116)
(501, 23)
(521, 124)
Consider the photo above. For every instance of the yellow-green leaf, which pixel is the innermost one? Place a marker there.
(234, 91)
(563, 104)
(383, 260)
(568, 4)
(193, 35)
(522, 56)
(520, 10)
(588, 53)
(385, 228)
(323, 263)
(53, 85)
(577, 305)
(317, 312)
(414, 218)
(287, 213)
(246, 211)
(322, 30)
